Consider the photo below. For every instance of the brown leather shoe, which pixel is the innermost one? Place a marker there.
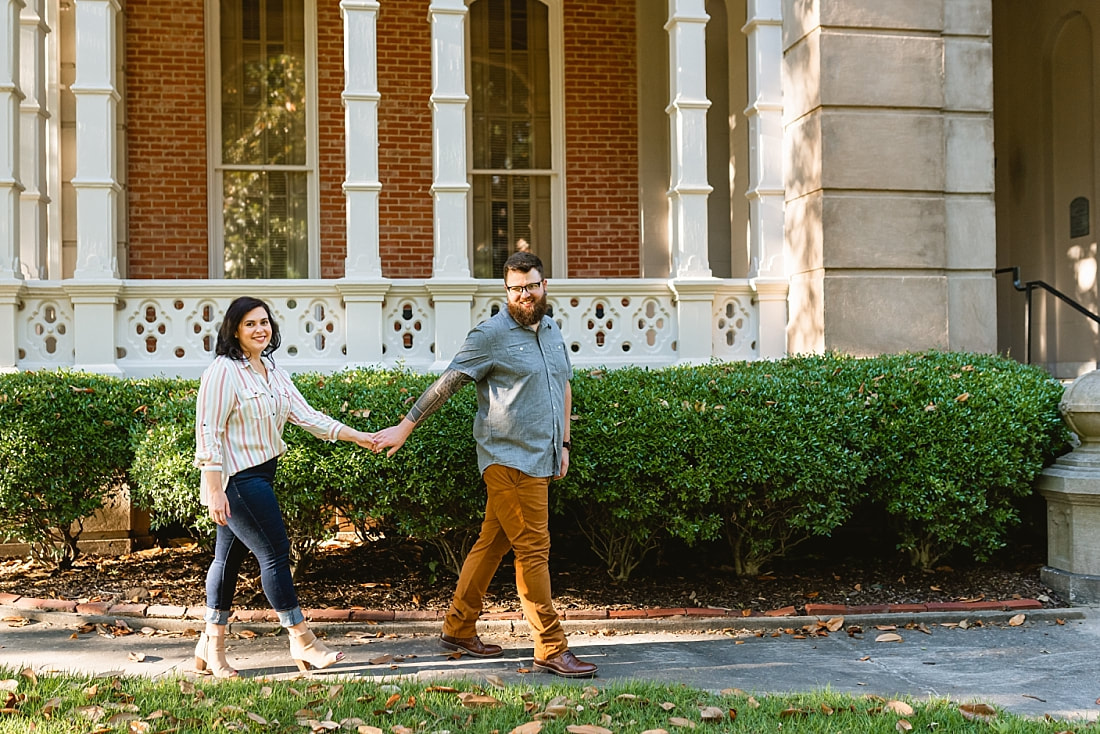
(471, 646)
(566, 665)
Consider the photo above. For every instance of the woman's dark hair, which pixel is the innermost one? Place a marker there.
(228, 344)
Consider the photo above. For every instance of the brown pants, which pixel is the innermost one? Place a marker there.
(517, 517)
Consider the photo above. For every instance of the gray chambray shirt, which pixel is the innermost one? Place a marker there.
(521, 377)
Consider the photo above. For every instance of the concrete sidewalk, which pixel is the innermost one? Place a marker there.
(1046, 665)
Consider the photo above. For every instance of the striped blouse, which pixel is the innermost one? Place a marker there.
(240, 416)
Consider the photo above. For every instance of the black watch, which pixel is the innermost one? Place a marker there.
(567, 445)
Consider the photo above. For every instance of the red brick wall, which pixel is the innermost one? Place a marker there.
(330, 119)
(601, 140)
(166, 138)
(166, 108)
(405, 139)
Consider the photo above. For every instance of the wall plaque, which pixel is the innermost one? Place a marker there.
(1079, 217)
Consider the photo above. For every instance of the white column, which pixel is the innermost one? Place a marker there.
(10, 97)
(95, 285)
(11, 278)
(688, 190)
(362, 286)
(33, 229)
(451, 286)
(764, 29)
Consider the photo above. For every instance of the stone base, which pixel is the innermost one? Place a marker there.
(1077, 588)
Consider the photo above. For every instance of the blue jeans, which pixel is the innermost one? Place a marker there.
(256, 525)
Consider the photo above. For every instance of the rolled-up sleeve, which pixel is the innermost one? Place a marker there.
(302, 414)
(212, 408)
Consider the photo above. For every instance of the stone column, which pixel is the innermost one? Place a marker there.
(688, 190)
(95, 285)
(451, 286)
(888, 156)
(969, 211)
(767, 265)
(1071, 487)
(362, 286)
(11, 276)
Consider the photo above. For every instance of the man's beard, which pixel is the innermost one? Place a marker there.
(528, 314)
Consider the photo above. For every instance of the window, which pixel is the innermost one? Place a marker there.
(263, 196)
(513, 126)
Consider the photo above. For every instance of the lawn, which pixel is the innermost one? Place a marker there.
(71, 704)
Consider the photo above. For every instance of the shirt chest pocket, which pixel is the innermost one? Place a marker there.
(523, 359)
(556, 359)
(251, 404)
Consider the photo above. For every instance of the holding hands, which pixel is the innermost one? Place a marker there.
(393, 437)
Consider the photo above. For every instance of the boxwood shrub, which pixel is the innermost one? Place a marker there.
(941, 446)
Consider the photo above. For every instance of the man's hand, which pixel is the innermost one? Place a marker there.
(394, 436)
(564, 464)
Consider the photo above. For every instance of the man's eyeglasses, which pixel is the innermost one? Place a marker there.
(516, 290)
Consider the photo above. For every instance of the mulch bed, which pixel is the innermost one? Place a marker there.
(394, 575)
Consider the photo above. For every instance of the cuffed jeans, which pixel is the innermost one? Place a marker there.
(517, 517)
(255, 524)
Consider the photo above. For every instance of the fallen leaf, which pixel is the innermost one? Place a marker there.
(368, 729)
(587, 729)
(903, 725)
(834, 624)
(682, 723)
(978, 712)
(888, 637)
(712, 713)
(1017, 620)
(495, 680)
(474, 700)
(137, 657)
(531, 727)
(900, 707)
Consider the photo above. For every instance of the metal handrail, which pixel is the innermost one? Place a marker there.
(1027, 288)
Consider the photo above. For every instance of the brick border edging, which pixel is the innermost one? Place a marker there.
(162, 611)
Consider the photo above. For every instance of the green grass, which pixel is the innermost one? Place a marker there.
(74, 704)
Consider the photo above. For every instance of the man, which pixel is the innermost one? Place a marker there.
(521, 367)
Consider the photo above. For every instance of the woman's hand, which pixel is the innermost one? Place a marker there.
(219, 503)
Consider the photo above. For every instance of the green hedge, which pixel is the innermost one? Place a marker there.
(941, 447)
(64, 445)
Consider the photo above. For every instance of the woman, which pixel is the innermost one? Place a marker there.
(244, 402)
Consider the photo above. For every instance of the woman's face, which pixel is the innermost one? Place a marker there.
(254, 331)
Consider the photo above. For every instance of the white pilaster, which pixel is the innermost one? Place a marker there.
(764, 30)
(688, 190)
(451, 286)
(95, 285)
(11, 278)
(10, 98)
(362, 287)
(33, 229)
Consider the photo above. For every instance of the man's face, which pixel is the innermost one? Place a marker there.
(526, 304)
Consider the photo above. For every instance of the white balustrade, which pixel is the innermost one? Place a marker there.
(170, 327)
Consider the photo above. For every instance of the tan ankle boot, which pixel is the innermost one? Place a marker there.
(308, 651)
(210, 652)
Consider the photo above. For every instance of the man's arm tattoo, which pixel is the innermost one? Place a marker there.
(438, 393)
